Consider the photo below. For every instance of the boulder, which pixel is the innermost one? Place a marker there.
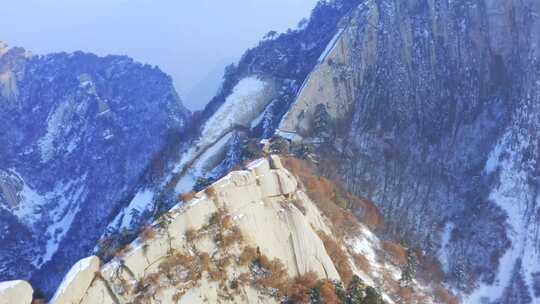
(77, 281)
(15, 292)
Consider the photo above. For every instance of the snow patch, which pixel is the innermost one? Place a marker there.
(513, 196)
(140, 203)
(330, 47)
(201, 165)
(445, 240)
(248, 99)
(67, 195)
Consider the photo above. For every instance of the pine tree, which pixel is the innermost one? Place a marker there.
(372, 296)
(201, 183)
(321, 121)
(409, 272)
(355, 291)
(279, 145)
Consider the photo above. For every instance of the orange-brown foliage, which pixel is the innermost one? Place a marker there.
(211, 192)
(299, 289)
(186, 197)
(328, 293)
(204, 259)
(232, 237)
(338, 256)
(123, 251)
(429, 270)
(405, 293)
(191, 234)
(277, 276)
(186, 262)
(248, 255)
(362, 263)
(324, 194)
(148, 233)
(397, 252)
(227, 222)
(444, 296)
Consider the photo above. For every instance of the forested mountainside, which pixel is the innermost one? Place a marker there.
(77, 134)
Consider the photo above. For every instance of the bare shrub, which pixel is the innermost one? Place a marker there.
(338, 256)
(211, 192)
(405, 294)
(186, 197)
(148, 233)
(232, 237)
(397, 253)
(362, 263)
(444, 296)
(328, 293)
(300, 288)
(191, 234)
(248, 255)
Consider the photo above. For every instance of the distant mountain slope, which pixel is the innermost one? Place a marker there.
(77, 133)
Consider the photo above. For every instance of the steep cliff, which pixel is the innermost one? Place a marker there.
(434, 109)
(431, 111)
(77, 133)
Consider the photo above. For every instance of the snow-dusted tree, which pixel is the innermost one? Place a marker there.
(321, 121)
(356, 291)
(279, 145)
(409, 271)
(201, 183)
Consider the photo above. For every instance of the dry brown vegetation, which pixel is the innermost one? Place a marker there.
(396, 252)
(274, 276)
(231, 237)
(191, 234)
(333, 200)
(362, 263)
(148, 233)
(300, 288)
(444, 296)
(338, 256)
(211, 192)
(248, 255)
(180, 267)
(123, 251)
(405, 294)
(186, 197)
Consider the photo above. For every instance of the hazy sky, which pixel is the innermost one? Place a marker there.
(188, 39)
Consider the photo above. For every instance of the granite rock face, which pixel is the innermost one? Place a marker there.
(437, 107)
(77, 133)
(15, 292)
